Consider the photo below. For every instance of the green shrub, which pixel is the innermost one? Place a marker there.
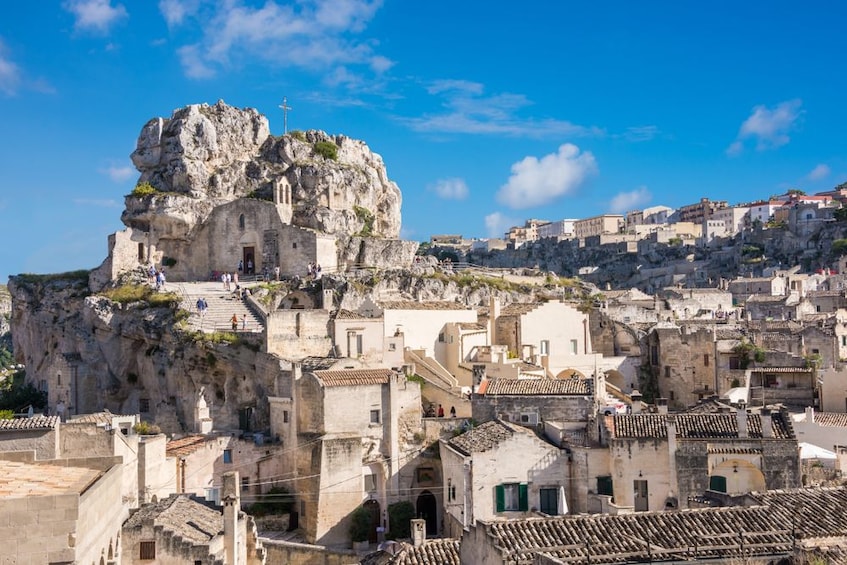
(327, 150)
(298, 135)
(367, 217)
(143, 189)
(839, 246)
(15, 394)
(146, 429)
(360, 525)
(400, 516)
(6, 415)
(129, 293)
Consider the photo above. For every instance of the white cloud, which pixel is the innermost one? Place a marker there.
(496, 224)
(95, 15)
(626, 201)
(469, 110)
(10, 74)
(450, 189)
(176, 11)
(535, 182)
(821, 171)
(118, 174)
(640, 133)
(192, 62)
(317, 35)
(768, 127)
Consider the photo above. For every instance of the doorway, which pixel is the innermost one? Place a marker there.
(372, 506)
(427, 508)
(642, 503)
(249, 259)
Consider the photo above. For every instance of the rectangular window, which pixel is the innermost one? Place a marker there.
(374, 416)
(227, 456)
(574, 346)
(549, 501)
(285, 416)
(359, 344)
(667, 371)
(705, 359)
(545, 347)
(148, 550)
(673, 396)
(843, 342)
(144, 405)
(605, 486)
(511, 497)
(392, 346)
(370, 483)
(245, 483)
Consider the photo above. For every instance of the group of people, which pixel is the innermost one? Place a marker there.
(234, 322)
(202, 306)
(249, 270)
(228, 279)
(314, 270)
(430, 413)
(156, 277)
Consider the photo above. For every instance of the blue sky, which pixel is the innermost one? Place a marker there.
(486, 113)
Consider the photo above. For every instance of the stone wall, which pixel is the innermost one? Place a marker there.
(45, 443)
(302, 554)
(294, 334)
(559, 408)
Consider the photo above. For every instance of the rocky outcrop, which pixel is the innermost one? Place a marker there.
(204, 156)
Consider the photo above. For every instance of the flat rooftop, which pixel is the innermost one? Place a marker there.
(19, 480)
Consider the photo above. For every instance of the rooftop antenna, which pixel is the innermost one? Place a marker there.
(285, 108)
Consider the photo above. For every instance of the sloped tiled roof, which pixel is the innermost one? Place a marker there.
(103, 418)
(354, 377)
(831, 419)
(665, 536)
(317, 363)
(692, 426)
(187, 517)
(484, 437)
(350, 315)
(34, 423)
(431, 552)
(186, 445)
(414, 305)
(519, 308)
(533, 387)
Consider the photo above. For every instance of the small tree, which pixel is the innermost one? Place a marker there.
(143, 189)
(400, 516)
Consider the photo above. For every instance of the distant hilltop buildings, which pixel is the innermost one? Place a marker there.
(698, 223)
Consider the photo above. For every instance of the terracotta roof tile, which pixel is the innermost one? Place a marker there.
(693, 426)
(103, 418)
(517, 309)
(431, 552)
(485, 436)
(34, 423)
(676, 535)
(831, 419)
(19, 480)
(354, 377)
(350, 315)
(186, 445)
(531, 387)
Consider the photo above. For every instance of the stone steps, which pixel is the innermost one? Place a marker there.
(221, 306)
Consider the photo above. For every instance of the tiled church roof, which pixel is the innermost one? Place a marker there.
(692, 426)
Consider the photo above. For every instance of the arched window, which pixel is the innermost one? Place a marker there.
(241, 221)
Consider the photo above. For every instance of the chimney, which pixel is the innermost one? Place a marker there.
(327, 299)
(493, 314)
(636, 402)
(662, 405)
(767, 423)
(672, 447)
(418, 532)
(231, 498)
(810, 415)
(741, 416)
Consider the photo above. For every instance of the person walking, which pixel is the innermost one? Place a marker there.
(234, 321)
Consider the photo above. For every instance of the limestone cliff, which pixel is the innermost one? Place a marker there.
(131, 358)
(204, 156)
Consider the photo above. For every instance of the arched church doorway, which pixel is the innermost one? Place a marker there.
(427, 508)
(372, 506)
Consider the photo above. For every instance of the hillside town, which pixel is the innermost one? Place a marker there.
(262, 371)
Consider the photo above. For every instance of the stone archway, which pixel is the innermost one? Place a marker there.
(739, 476)
(616, 378)
(570, 374)
(426, 507)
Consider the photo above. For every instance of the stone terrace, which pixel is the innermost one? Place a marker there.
(222, 305)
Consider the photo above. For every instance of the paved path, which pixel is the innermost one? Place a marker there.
(222, 305)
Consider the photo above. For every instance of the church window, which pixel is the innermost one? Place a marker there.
(241, 221)
(227, 456)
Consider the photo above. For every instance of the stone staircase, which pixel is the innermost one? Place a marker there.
(222, 305)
